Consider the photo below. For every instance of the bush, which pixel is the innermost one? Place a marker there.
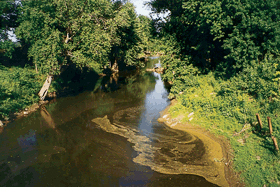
(18, 89)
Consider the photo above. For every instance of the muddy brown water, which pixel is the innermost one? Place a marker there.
(109, 137)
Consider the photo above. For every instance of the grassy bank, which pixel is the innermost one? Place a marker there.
(221, 108)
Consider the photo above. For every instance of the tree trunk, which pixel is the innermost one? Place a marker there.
(36, 68)
(44, 90)
(115, 66)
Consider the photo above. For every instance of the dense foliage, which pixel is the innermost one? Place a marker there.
(18, 89)
(222, 60)
(220, 56)
(8, 16)
(72, 40)
(85, 33)
(225, 35)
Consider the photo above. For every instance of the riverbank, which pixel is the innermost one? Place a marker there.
(135, 150)
(19, 91)
(218, 151)
(223, 109)
(24, 112)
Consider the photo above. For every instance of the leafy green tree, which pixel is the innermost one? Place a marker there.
(222, 34)
(85, 33)
(8, 17)
(149, 35)
(62, 32)
(126, 38)
(163, 6)
(249, 32)
(144, 27)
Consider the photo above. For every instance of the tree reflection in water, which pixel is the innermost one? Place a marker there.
(59, 145)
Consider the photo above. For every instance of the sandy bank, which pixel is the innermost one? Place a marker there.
(218, 155)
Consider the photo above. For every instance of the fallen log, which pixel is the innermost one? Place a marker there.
(44, 90)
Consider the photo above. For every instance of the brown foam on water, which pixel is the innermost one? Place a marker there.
(166, 150)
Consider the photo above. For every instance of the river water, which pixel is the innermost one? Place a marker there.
(107, 137)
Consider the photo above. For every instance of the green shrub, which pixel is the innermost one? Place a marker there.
(18, 89)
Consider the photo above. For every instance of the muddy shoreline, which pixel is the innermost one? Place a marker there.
(27, 111)
(222, 160)
(51, 96)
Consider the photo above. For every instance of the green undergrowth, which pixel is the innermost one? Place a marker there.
(18, 89)
(222, 108)
(20, 86)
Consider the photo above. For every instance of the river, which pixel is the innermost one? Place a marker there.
(107, 137)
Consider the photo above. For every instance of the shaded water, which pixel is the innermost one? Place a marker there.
(110, 137)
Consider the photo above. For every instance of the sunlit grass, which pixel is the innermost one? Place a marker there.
(225, 114)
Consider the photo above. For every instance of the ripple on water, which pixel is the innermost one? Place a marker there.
(164, 150)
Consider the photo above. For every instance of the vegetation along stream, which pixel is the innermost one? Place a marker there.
(220, 59)
(110, 137)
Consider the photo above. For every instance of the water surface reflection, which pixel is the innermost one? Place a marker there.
(101, 139)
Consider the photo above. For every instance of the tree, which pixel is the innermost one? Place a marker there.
(63, 32)
(126, 36)
(8, 17)
(145, 29)
(162, 6)
(222, 34)
(84, 33)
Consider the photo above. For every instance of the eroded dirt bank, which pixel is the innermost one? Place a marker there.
(218, 154)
